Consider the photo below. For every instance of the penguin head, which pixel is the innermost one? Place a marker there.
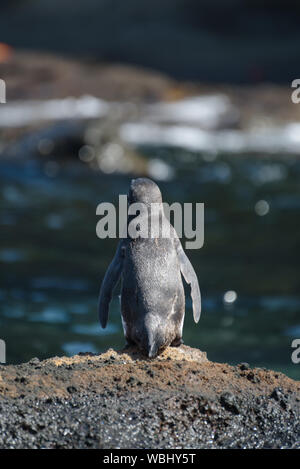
(144, 190)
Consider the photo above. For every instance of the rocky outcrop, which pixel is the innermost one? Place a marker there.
(124, 400)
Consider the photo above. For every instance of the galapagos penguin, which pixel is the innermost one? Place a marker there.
(152, 294)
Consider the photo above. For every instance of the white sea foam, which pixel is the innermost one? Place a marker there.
(199, 123)
(20, 113)
(208, 112)
(269, 140)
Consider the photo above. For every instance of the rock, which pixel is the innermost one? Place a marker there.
(252, 377)
(229, 402)
(124, 400)
(244, 366)
(71, 389)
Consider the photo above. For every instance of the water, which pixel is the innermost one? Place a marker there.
(52, 263)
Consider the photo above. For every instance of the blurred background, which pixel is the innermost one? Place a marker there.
(195, 95)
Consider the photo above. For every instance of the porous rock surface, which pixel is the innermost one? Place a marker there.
(124, 400)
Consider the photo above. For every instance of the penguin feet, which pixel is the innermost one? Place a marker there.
(129, 343)
(177, 342)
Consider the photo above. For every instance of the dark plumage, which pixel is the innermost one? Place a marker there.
(152, 297)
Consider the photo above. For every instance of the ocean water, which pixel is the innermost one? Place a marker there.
(52, 262)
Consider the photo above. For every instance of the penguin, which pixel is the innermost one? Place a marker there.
(152, 293)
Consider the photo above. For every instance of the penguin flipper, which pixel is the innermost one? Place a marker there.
(110, 280)
(190, 277)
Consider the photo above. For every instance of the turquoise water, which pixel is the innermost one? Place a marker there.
(52, 263)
